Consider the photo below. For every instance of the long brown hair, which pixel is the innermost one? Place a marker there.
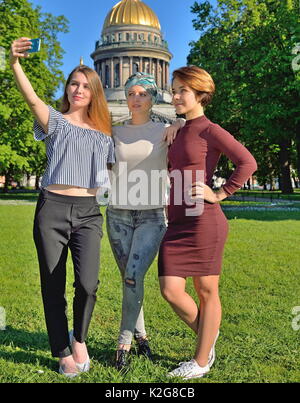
(98, 110)
(199, 80)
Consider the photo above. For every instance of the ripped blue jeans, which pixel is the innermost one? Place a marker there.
(135, 236)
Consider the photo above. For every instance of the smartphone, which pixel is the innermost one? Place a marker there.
(36, 45)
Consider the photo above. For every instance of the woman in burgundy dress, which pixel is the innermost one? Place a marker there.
(197, 230)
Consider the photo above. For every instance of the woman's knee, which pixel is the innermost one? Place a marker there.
(207, 291)
(168, 293)
(171, 289)
(87, 289)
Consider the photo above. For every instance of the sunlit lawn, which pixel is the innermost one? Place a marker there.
(260, 285)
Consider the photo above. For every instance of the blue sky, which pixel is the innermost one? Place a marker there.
(86, 19)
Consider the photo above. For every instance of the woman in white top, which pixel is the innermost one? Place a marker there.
(136, 221)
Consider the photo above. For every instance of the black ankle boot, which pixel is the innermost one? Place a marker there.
(121, 359)
(144, 348)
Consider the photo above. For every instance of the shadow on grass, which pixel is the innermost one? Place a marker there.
(27, 348)
(29, 357)
(32, 343)
(24, 339)
(30, 197)
(28, 342)
(104, 353)
(32, 349)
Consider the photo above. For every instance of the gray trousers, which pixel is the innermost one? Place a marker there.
(135, 236)
(62, 223)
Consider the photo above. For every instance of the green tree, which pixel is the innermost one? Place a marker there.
(18, 150)
(247, 46)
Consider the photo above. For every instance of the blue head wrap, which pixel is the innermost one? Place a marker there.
(144, 80)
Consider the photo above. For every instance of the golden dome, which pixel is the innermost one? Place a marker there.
(131, 12)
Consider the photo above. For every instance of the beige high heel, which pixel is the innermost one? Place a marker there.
(84, 367)
(67, 374)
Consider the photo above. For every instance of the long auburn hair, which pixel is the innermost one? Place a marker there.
(199, 80)
(98, 110)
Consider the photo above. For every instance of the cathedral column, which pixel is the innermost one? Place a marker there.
(121, 71)
(103, 71)
(112, 76)
(163, 84)
(157, 71)
(168, 74)
(130, 66)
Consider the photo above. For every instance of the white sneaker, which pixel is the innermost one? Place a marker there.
(212, 353)
(189, 370)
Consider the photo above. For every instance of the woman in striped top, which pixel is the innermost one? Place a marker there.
(79, 147)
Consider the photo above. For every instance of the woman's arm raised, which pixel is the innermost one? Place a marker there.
(38, 107)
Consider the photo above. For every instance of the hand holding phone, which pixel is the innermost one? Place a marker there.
(36, 45)
(22, 47)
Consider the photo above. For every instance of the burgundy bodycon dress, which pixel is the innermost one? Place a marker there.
(193, 244)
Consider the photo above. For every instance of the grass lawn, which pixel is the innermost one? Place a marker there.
(260, 285)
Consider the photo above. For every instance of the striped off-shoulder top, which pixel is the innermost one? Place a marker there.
(75, 156)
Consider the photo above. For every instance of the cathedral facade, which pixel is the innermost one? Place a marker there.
(131, 41)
